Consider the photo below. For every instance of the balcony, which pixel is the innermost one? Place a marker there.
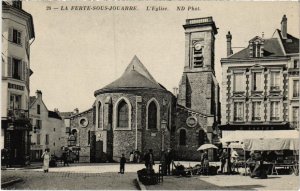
(18, 114)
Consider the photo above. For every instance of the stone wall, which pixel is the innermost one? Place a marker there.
(124, 141)
(82, 133)
(189, 151)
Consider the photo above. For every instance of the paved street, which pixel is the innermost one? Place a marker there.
(72, 181)
(105, 176)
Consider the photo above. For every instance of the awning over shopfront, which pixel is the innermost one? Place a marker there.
(261, 139)
(271, 144)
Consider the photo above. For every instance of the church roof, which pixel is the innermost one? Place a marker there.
(136, 76)
(137, 65)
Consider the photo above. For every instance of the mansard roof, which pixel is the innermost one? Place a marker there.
(271, 49)
(136, 76)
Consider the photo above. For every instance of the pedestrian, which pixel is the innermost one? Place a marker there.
(169, 160)
(205, 163)
(259, 169)
(137, 156)
(122, 164)
(149, 160)
(65, 156)
(223, 157)
(131, 157)
(234, 159)
(46, 157)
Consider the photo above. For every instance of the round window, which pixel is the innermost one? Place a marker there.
(191, 121)
(83, 122)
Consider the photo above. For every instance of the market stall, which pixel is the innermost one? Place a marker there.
(268, 140)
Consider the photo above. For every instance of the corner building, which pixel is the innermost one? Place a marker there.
(17, 37)
(261, 84)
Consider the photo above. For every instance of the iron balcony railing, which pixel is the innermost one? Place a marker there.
(18, 114)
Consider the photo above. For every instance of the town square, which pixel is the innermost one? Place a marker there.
(138, 95)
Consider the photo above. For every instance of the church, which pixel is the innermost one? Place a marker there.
(137, 113)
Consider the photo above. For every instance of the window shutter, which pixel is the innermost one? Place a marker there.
(24, 70)
(9, 66)
(20, 69)
(10, 34)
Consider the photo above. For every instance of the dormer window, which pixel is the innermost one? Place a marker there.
(256, 47)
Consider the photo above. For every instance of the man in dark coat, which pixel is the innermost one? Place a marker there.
(169, 160)
(223, 157)
(122, 164)
(65, 157)
(149, 160)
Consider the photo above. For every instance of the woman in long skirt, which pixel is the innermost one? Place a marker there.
(46, 157)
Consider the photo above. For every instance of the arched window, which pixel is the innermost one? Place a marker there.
(182, 137)
(152, 116)
(99, 116)
(122, 114)
(201, 137)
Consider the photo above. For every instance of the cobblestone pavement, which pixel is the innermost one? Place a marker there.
(228, 182)
(104, 176)
(34, 180)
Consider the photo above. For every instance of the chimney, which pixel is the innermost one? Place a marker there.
(284, 27)
(38, 94)
(228, 38)
(76, 111)
(17, 4)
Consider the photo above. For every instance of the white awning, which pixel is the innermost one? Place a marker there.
(239, 135)
(261, 139)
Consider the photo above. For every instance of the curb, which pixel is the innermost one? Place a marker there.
(141, 185)
(11, 182)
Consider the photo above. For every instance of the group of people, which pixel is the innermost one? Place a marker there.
(134, 156)
(166, 159)
(228, 160)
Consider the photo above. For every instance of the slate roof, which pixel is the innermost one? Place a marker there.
(133, 78)
(32, 99)
(271, 49)
(54, 114)
(291, 44)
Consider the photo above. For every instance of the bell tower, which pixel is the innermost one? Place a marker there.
(198, 86)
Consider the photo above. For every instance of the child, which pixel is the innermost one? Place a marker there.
(122, 164)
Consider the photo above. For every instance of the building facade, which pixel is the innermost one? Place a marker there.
(198, 104)
(48, 128)
(17, 36)
(260, 83)
(136, 113)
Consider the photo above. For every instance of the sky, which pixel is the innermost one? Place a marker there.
(76, 52)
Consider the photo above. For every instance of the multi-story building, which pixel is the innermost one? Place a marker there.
(17, 36)
(260, 83)
(48, 128)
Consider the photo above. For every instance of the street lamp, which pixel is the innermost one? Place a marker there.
(163, 128)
